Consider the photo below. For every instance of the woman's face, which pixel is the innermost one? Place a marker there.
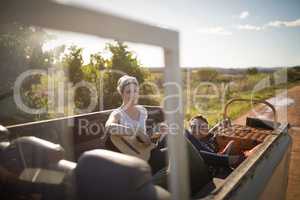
(130, 94)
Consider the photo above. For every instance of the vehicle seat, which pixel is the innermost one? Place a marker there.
(30, 152)
(198, 170)
(88, 137)
(103, 174)
(4, 136)
(27, 167)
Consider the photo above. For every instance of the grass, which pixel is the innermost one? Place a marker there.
(242, 87)
(214, 107)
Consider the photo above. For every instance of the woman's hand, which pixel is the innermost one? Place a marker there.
(143, 136)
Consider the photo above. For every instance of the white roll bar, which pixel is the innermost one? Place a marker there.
(50, 14)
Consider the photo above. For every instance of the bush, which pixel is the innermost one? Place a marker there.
(252, 70)
(294, 74)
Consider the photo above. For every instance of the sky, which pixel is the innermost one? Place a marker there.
(217, 33)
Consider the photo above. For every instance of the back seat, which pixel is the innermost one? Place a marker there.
(99, 174)
(119, 177)
(86, 140)
(89, 130)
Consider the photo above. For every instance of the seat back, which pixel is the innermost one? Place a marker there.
(28, 167)
(198, 170)
(4, 138)
(199, 174)
(30, 152)
(103, 174)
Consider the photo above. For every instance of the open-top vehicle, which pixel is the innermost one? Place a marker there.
(39, 166)
(64, 159)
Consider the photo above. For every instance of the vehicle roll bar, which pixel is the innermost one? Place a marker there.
(225, 113)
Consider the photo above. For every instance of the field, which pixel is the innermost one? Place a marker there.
(208, 90)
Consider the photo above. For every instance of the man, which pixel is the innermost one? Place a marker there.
(205, 143)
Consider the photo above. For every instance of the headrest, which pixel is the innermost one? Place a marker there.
(34, 152)
(103, 174)
(198, 170)
(66, 166)
(3, 146)
(4, 134)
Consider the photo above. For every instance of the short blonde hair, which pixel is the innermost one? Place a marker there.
(124, 81)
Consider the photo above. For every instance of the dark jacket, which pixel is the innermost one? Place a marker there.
(208, 150)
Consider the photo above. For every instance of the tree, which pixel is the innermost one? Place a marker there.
(123, 61)
(92, 72)
(293, 73)
(20, 50)
(73, 62)
(252, 70)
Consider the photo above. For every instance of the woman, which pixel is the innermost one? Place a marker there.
(127, 126)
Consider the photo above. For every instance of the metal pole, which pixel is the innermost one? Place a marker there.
(179, 179)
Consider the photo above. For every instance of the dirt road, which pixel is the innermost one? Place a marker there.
(288, 108)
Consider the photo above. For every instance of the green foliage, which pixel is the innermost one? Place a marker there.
(122, 62)
(207, 74)
(97, 61)
(20, 50)
(252, 70)
(73, 63)
(104, 74)
(241, 86)
(293, 74)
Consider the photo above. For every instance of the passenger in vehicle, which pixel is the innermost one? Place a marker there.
(198, 134)
(127, 127)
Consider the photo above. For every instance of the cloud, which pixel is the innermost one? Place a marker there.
(272, 24)
(215, 31)
(244, 15)
(278, 24)
(250, 27)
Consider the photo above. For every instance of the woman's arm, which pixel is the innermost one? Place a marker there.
(114, 128)
(121, 130)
